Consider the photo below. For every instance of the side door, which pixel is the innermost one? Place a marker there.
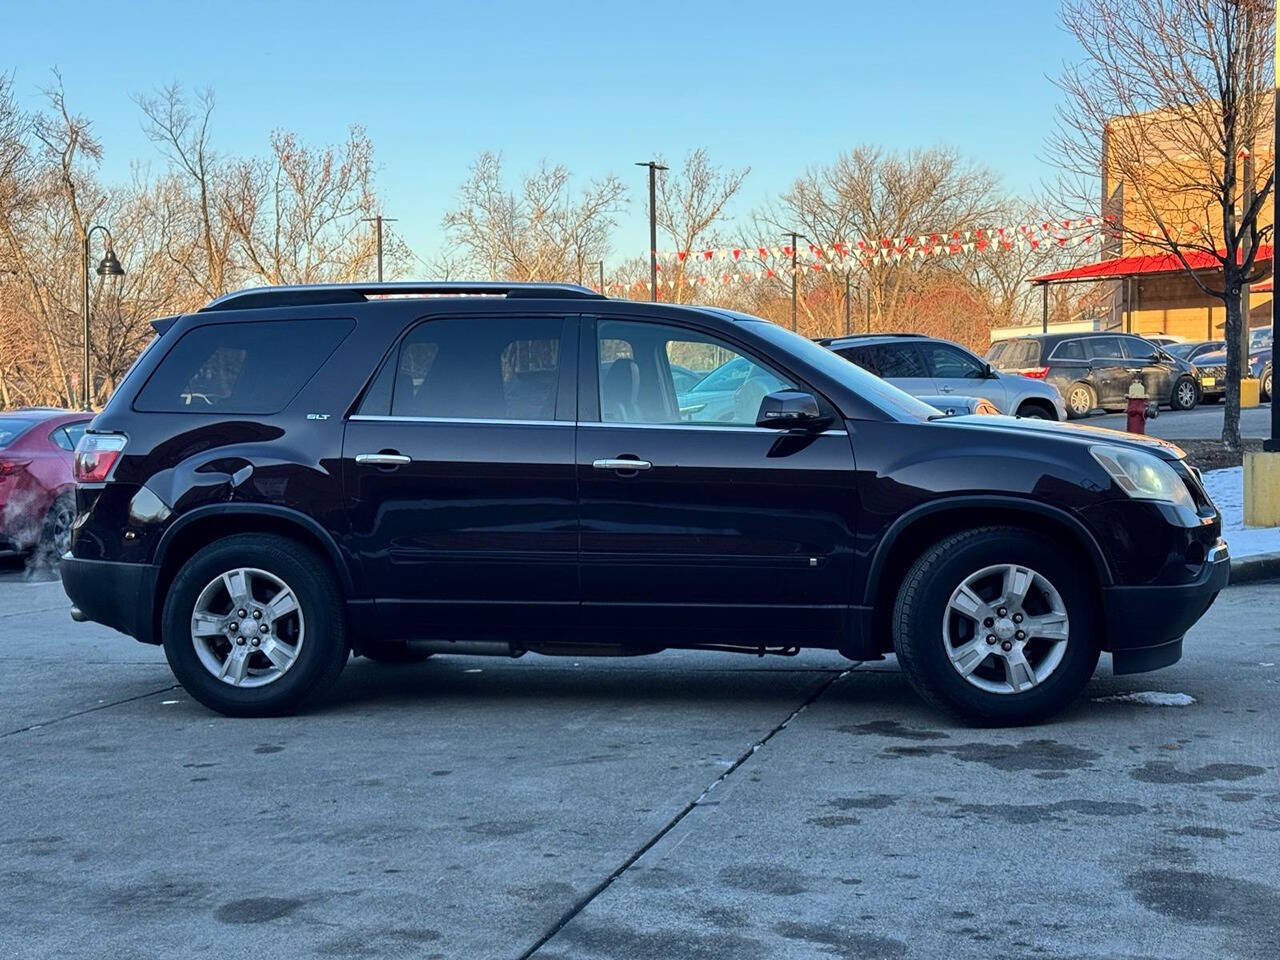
(899, 362)
(721, 529)
(1145, 363)
(1109, 370)
(459, 477)
(958, 372)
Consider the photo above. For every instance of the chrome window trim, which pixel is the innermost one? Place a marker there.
(583, 423)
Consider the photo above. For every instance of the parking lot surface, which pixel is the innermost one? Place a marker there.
(688, 805)
(1202, 423)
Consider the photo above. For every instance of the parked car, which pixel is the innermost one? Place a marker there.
(926, 366)
(371, 474)
(1163, 339)
(37, 492)
(1094, 370)
(1212, 367)
(960, 406)
(1192, 350)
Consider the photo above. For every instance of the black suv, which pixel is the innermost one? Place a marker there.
(1096, 369)
(293, 474)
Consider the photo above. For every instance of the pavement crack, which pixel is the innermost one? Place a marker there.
(684, 811)
(81, 713)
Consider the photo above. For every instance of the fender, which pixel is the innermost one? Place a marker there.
(1084, 536)
(259, 510)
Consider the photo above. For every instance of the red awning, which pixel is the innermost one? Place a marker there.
(1137, 266)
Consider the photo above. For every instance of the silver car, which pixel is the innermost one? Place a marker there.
(928, 367)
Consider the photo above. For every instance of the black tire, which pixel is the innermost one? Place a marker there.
(1185, 394)
(1031, 410)
(55, 531)
(322, 655)
(922, 601)
(392, 652)
(1080, 400)
(1264, 389)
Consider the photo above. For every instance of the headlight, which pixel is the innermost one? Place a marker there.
(1143, 476)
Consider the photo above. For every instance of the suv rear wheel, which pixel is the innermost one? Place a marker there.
(995, 628)
(1184, 395)
(253, 625)
(1080, 400)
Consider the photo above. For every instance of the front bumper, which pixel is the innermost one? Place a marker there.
(119, 595)
(1145, 625)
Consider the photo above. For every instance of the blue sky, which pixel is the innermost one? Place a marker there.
(776, 85)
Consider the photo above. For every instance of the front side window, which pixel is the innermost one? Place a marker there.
(639, 383)
(242, 368)
(482, 368)
(1105, 348)
(951, 364)
(1138, 349)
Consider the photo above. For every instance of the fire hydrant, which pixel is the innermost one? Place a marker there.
(1138, 410)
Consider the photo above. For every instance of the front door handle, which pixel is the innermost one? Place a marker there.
(621, 464)
(946, 389)
(383, 459)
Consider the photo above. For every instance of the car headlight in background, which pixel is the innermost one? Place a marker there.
(1143, 476)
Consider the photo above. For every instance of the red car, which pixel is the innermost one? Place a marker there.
(37, 492)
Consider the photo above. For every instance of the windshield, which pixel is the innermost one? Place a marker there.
(11, 428)
(887, 397)
(1260, 338)
(732, 375)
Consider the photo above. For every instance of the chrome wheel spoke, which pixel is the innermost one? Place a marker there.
(279, 653)
(282, 604)
(237, 584)
(1018, 671)
(1050, 626)
(965, 601)
(968, 657)
(233, 668)
(206, 625)
(1017, 582)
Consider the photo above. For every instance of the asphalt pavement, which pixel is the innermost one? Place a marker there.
(689, 805)
(1202, 423)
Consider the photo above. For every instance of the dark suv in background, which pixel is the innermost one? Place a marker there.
(293, 474)
(1094, 370)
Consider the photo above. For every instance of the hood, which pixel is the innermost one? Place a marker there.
(1075, 433)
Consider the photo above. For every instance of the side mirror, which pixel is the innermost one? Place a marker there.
(789, 409)
(989, 371)
(1157, 356)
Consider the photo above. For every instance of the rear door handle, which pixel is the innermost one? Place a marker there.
(383, 459)
(621, 464)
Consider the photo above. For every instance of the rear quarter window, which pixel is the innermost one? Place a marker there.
(1015, 354)
(241, 368)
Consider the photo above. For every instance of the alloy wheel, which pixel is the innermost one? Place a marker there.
(62, 516)
(1080, 401)
(1186, 394)
(247, 627)
(1005, 628)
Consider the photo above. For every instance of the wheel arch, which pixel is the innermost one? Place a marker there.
(215, 521)
(1039, 403)
(909, 535)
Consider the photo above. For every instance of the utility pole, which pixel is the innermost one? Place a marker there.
(600, 264)
(1272, 443)
(654, 167)
(377, 222)
(848, 278)
(795, 239)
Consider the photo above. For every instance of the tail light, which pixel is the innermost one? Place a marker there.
(9, 468)
(96, 454)
(1035, 373)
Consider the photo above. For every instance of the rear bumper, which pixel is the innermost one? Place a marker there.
(119, 595)
(1145, 625)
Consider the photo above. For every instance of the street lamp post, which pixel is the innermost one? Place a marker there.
(377, 222)
(109, 266)
(654, 166)
(795, 240)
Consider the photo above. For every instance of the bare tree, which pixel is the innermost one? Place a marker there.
(691, 205)
(1169, 102)
(545, 231)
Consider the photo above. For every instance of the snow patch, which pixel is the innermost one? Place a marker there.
(1226, 490)
(1150, 698)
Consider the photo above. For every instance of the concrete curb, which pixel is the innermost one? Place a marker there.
(1262, 566)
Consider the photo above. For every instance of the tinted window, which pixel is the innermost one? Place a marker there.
(897, 360)
(949, 363)
(487, 368)
(1070, 350)
(11, 428)
(241, 368)
(1104, 348)
(1260, 338)
(861, 356)
(638, 385)
(1138, 349)
(1015, 354)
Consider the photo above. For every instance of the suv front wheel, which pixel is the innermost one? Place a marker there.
(253, 625)
(992, 625)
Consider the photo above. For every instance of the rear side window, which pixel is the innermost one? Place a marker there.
(895, 361)
(241, 368)
(861, 356)
(1015, 354)
(11, 428)
(1069, 350)
(485, 368)
(1105, 348)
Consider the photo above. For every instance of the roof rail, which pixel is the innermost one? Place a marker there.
(304, 295)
